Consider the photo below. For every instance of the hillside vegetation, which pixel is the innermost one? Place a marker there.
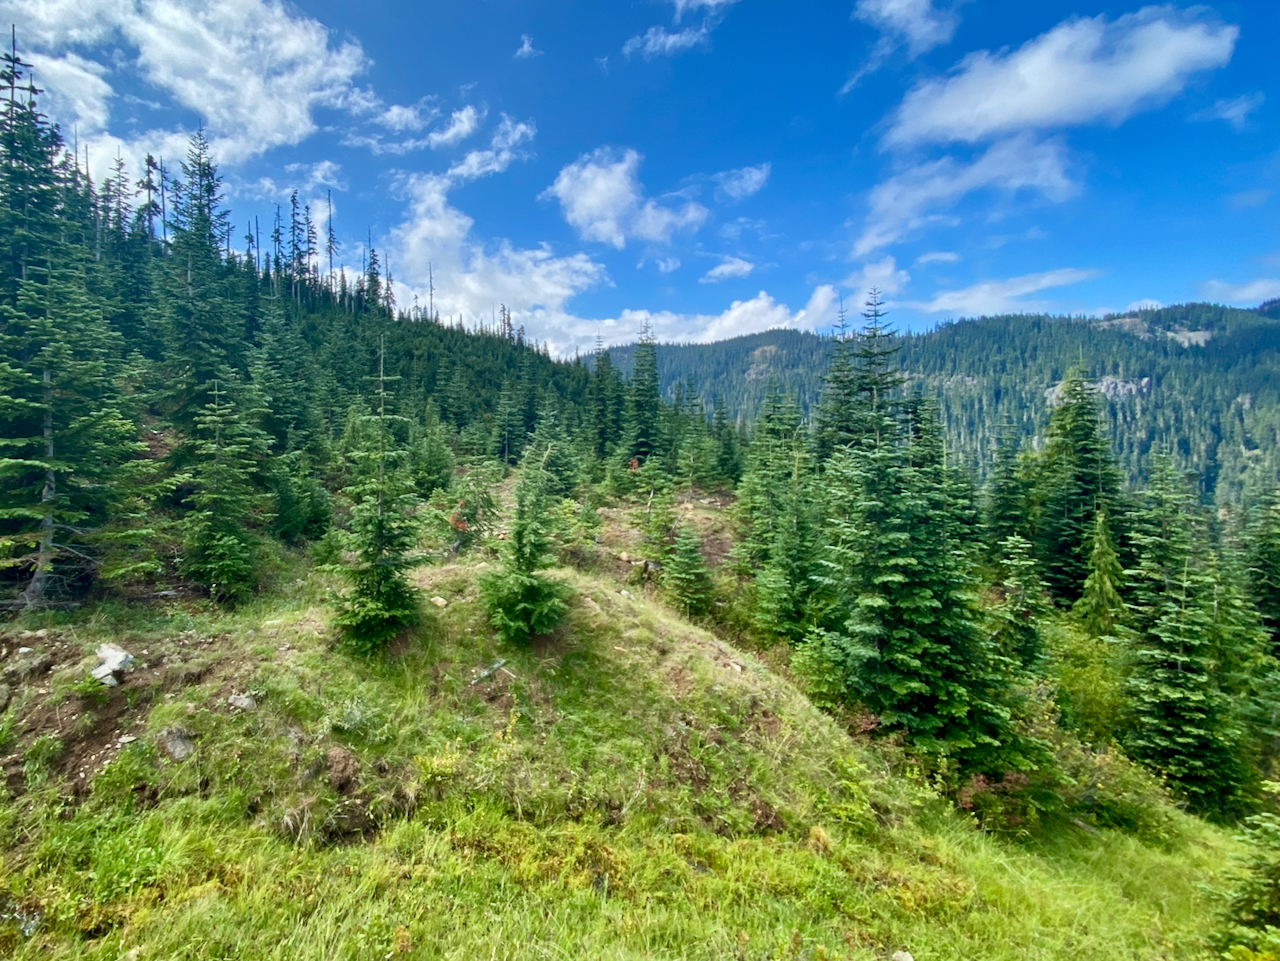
(630, 787)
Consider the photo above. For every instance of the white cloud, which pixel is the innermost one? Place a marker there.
(938, 257)
(462, 124)
(601, 197)
(254, 70)
(917, 22)
(742, 317)
(527, 49)
(1082, 71)
(76, 92)
(503, 150)
(657, 42)
(711, 6)
(735, 185)
(1235, 111)
(730, 268)
(884, 276)
(668, 265)
(1250, 294)
(906, 201)
(400, 118)
(1001, 296)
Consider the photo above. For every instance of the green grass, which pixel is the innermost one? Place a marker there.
(635, 788)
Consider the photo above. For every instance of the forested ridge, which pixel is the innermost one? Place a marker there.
(1197, 380)
(1028, 568)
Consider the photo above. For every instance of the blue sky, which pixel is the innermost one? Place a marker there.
(716, 167)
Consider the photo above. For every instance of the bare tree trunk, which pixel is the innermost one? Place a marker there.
(33, 594)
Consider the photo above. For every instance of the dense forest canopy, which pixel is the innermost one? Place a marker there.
(1197, 380)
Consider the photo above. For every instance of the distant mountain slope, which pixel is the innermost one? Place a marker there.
(1198, 379)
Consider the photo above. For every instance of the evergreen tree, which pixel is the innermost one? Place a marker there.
(431, 461)
(859, 385)
(221, 550)
(685, 575)
(381, 601)
(1101, 607)
(1078, 478)
(1021, 605)
(900, 629)
(66, 436)
(1263, 538)
(521, 601)
(644, 402)
(606, 402)
(1007, 504)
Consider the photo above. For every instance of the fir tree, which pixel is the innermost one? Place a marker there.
(644, 402)
(221, 550)
(381, 602)
(1263, 537)
(1101, 607)
(1078, 478)
(521, 601)
(685, 575)
(62, 415)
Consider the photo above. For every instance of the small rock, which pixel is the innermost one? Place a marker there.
(903, 956)
(126, 739)
(5, 694)
(24, 650)
(627, 594)
(112, 660)
(272, 623)
(176, 743)
(439, 602)
(343, 768)
(242, 702)
(624, 556)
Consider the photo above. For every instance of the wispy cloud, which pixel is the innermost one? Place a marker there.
(1235, 111)
(527, 50)
(657, 41)
(1248, 294)
(938, 257)
(1001, 296)
(916, 197)
(731, 268)
(1084, 70)
(735, 185)
(917, 23)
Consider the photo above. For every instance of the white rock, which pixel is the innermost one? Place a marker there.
(903, 956)
(242, 702)
(113, 660)
(439, 602)
(24, 650)
(126, 739)
(627, 594)
(175, 743)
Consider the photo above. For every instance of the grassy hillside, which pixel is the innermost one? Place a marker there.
(1196, 379)
(630, 788)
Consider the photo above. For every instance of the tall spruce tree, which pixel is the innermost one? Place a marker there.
(222, 549)
(1077, 477)
(644, 401)
(381, 602)
(66, 433)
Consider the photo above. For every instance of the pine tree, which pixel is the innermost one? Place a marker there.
(1021, 605)
(1263, 537)
(859, 385)
(1101, 607)
(67, 436)
(900, 626)
(381, 602)
(606, 404)
(685, 576)
(1006, 508)
(520, 600)
(221, 551)
(644, 402)
(1077, 478)
(431, 461)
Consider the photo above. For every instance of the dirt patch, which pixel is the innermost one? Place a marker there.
(343, 769)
